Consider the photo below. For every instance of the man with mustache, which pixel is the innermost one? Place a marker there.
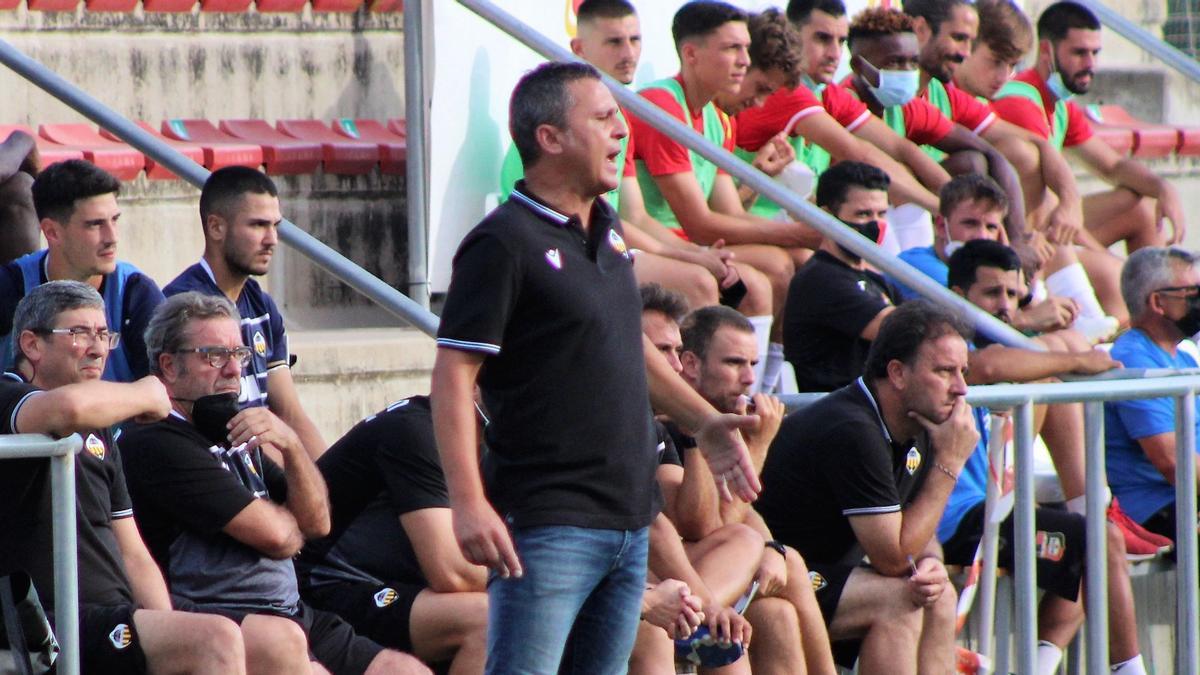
(1039, 99)
(240, 216)
(76, 204)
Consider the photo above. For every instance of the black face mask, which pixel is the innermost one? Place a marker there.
(1189, 324)
(872, 229)
(211, 413)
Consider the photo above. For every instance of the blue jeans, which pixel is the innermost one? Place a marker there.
(581, 594)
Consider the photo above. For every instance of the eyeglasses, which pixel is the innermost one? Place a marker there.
(218, 356)
(1188, 291)
(86, 337)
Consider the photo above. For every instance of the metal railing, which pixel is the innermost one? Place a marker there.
(61, 454)
(1020, 398)
(312, 248)
(1146, 40)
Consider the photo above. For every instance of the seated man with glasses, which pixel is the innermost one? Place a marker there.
(1161, 286)
(221, 518)
(127, 624)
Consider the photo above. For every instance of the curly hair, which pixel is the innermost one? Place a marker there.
(774, 44)
(879, 22)
(1005, 29)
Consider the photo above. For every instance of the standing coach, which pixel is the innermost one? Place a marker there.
(544, 313)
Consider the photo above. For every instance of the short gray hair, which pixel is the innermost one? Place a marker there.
(542, 96)
(38, 310)
(1147, 270)
(167, 330)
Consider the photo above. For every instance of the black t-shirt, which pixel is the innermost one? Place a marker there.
(828, 305)
(831, 460)
(557, 315)
(26, 529)
(186, 491)
(384, 467)
(668, 453)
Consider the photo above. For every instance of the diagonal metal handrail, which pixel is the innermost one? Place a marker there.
(312, 248)
(1156, 46)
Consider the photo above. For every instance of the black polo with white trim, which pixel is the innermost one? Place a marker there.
(832, 460)
(557, 315)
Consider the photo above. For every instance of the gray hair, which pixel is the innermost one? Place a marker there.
(1147, 270)
(38, 310)
(542, 96)
(167, 331)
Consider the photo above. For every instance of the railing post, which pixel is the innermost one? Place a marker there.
(1097, 539)
(1023, 542)
(1187, 641)
(415, 176)
(66, 572)
(997, 465)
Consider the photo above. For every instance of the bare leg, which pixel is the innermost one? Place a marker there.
(274, 645)
(653, 652)
(446, 626)
(1122, 614)
(1063, 434)
(1121, 215)
(392, 662)
(693, 281)
(758, 292)
(777, 265)
(813, 636)
(727, 560)
(183, 642)
(936, 651)
(879, 610)
(776, 646)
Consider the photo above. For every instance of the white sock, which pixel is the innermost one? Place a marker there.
(1048, 658)
(1133, 666)
(770, 381)
(1072, 282)
(1079, 504)
(762, 335)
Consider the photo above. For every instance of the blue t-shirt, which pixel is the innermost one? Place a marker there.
(1141, 488)
(262, 328)
(971, 488)
(926, 260)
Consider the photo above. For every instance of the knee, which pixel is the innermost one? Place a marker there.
(773, 616)
(279, 640)
(758, 292)
(698, 286)
(391, 661)
(219, 640)
(946, 606)
(742, 536)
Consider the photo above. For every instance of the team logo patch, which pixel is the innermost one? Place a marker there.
(818, 582)
(862, 285)
(95, 446)
(385, 597)
(120, 636)
(913, 461)
(260, 343)
(554, 258)
(617, 243)
(249, 464)
(1051, 545)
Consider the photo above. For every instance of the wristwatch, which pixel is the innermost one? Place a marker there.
(779, 547)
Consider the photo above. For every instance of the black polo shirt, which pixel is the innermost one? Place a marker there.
(828, 305)
(831, 460)
(557, 314)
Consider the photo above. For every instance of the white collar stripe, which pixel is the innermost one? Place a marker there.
(539, 208)
(886, 434)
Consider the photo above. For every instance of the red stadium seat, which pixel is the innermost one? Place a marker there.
(224, 5)
(111, 5)
(168, 5)
(398, 126)
(281, 153)
(114, 157)
(9, 4)
(341, 155)
(279, 5)
(336, 5)
(220, 149)
(393, 149)
(1189, 142)
(48, 151)
(154, 170)
(387, 5)
(53, 5)
(1149, 140)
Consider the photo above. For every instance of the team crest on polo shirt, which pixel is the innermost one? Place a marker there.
(554, 258)
(120, 636)
(862, 285)
(260, 343)
(385, 597)
(249, 463)
(913, 461)
(617, 243)
(95, 446)
(818, 582)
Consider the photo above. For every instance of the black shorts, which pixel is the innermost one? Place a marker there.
(380, 612)
(828, 582)
(331, 641)
(108, 641)
(1061, 547)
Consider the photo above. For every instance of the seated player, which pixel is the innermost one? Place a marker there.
(988, 274)
(884, 60)
(835, 304)
(867, 470)
(221, 518)
(126, 621)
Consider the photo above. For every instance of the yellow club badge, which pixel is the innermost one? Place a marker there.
(818, 582)
(913, 461)
(385, 597)
(260, 343)
(95, 446)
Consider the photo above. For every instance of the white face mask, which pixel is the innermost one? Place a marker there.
(951, 245)
(896, 87)
(1055, 82)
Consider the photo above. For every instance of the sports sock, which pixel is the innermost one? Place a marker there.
(1072, 282)
(1049, 657)
(770, 381)
(762, 335)
(1079, 504)
(1133, 666)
